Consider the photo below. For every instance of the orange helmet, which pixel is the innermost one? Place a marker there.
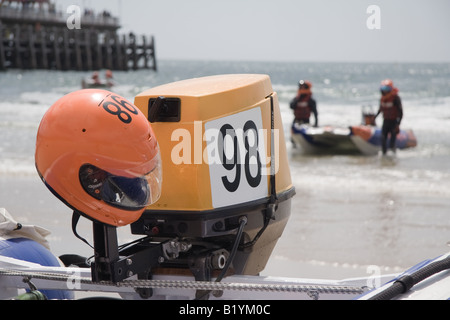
(387, 82)
(305, 84)
(97, 153)
(386, 86)
(304, 87)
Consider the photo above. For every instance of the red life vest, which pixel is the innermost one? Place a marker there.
(302, 110)
(389, 109)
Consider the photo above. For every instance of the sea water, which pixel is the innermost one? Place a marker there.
(350, 212)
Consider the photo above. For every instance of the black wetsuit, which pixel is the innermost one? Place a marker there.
(391, 124)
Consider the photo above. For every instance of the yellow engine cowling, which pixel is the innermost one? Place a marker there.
(224, 156)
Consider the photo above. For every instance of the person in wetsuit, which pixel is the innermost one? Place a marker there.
(303, 104)
(391, 107)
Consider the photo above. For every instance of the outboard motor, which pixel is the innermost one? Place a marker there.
(224, 160)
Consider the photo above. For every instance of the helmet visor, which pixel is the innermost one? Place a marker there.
(385, 89)
(127, 193)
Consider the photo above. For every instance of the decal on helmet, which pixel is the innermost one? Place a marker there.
(119, 107)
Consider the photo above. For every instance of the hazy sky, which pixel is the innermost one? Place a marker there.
(287, 30)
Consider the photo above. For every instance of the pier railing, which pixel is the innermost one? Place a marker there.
(29, 15)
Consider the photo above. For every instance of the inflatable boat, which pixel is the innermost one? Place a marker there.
(92, 84)
(360, 139)
(29, 271)
(367, 139)
(94, 81)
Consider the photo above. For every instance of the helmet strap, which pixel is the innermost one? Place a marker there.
(75, 218)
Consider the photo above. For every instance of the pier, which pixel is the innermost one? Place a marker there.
(34, 35)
